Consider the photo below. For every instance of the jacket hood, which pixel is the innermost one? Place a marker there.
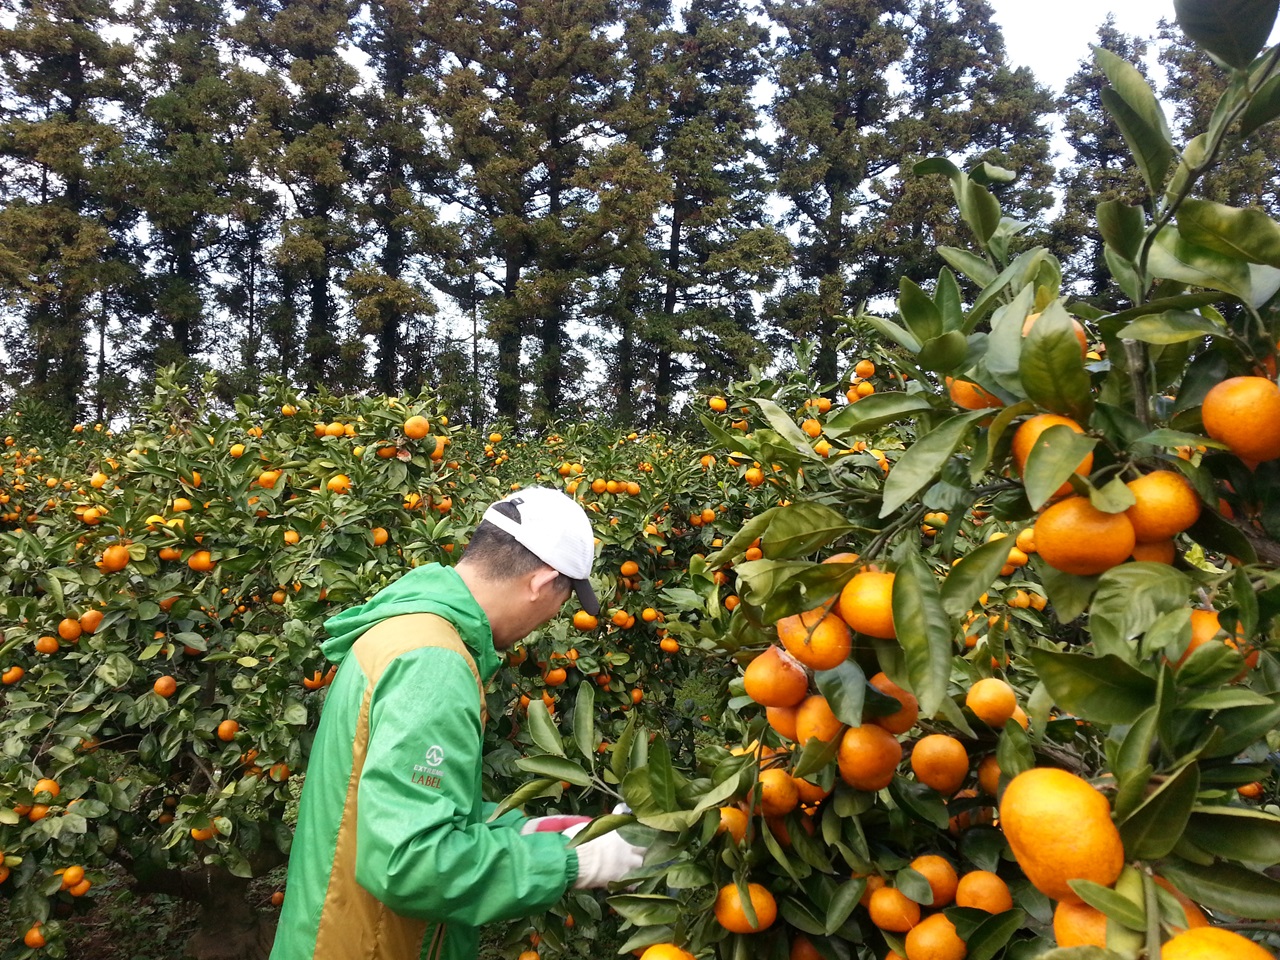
(427, 589)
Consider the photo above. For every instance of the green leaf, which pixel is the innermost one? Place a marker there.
(619, 762)
(1173, 257)
(525, 793)
(924, 633)
(924, 460)
(662, 777)
(1051, 366)
(919, 312)
(945, 352)
(1172, 326)
(1129, 599)
(1115, 905)
(558, 767)
(1236, 833)
(842, 904)
(584, 725)
(992, 934)
(1224, 698)
(970, 264)
(1068, 594)
(1247, 234)
(1055, 457)
(800, 528)
(647, 909)
(543, 729)
(892, 331)
(973, 575)
(979, 208)
(784, 425)
(1264, 107)
(921, 800)
(1135, 748)
(1234, 31)
(845, 688)
(1153, 829)
(1242, 726)
(1134, 108)
(1226, 887)
(861, 419)
(1122, 226)
(816, 755)
(950, 301)
(914, 886)
(1102, 689)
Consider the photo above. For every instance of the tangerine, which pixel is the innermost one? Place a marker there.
(866, 604)
(1076, 537)
(1244, 413)
(1165, 504)
(817, 638)
(775, 679)
(941, 875)
(903, 719)
(935, 938)
(1027, 436)
(983, 890)
(815, 719)
(992, 700)
(730, 914)
(941, 762)
(1212, 943)
(893, 910)
(868, 757)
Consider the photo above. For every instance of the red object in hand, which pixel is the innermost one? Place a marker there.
(556, 824)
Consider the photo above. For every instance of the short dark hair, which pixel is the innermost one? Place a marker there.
(503, 557)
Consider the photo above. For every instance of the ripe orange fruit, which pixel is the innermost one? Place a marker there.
(339, 484)
(69, 629)
(864, 368)
(33, 938)
(734, 822)
(775, 679)
(992, 700)
(730, 915)
(1205, 627)
(802, 949)
(935, 938)
(1028, 434)
(817, 638)
(227, 730)
(866, 604)
(202, 834)
(892, 910)
(941, 876)
(166, 686)
(665, 951)
(90, 620)
(811, 792)
(970, 396)
(1076, 924)
(814, 718)
(201, 561)
(1157, 551)
(783, 720)
(778, 792)
(1212, 943)
(1059, 828)
(718, 404)
(629, 568)
(983, 890)
(416, 427)
(868, 757)
(1075, 537)
(46, 644)
(1166, 504)
(1244, 413)
(989, 775)
(48, 786)
(900, 721)
(115, 557)
(941, 762)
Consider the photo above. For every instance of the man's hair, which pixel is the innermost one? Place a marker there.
(502, 557)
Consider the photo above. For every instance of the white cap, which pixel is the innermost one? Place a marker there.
(555, 529)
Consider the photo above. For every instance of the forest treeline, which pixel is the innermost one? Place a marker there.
(537, 207)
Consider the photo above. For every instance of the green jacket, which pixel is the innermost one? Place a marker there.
(394, 855)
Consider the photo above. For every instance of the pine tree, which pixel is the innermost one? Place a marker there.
(59, 157)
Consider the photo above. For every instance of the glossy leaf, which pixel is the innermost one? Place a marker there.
(784, 425)
(845, 688)
(619, 761)
(543, 729)
(1133, 106)
(1056, 455)
(945, 352)
(1172, 326)
(647, 909)
(969, 264)
(1115, 905)
(1247, 234)
(861, 419)
(1051, 367)
(1242, 726)
(1122, 226)
(1264, 107)
(1236, 833)
(892, 331)
(1226, 887)
(1173, 257)
(584, 726)
(842, 903)
(924, 632)
(557, 767)
(1103, 689)
(924, 459)
(950, 302)
(662, 777)
(972, 576)
(993, 933)
(1129, 599)
(920, 314)
(921, 800)
(1153, 828)
(1234, 31)
(800, 528)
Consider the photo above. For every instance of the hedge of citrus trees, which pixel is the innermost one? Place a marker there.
(995, 624)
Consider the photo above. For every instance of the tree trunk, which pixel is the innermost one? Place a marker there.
(666, 364)
(508, 337)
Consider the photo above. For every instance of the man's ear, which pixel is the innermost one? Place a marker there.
(541, 581)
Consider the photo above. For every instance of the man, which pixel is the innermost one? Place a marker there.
(395, 855)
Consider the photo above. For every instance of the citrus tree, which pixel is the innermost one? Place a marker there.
(1007, 682)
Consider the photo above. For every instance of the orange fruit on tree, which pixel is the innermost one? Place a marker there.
(866, 604)
(1059, 828)
(339, 484)
(903, 719)
(584, 621)
(1157, 551)
(734, 822)
(1076, 326)
(380, 536)
(1194, 915)
(992, 700)
(941, 762)
(1075, 537)
(48, 786)
(227, 730)
(811, 792)
(817, 638)
(166, 686)
(416, 427)
(868, 757)
(718, 404)
(1205, 627)
(983, 890)
(893, 910)
(941, 875)
(115, 557)
(69, 629)
(783, 720)
(815, 719)
(989, 775)
(1028, 434)
(935, 938)
(1212, 943)
(34, 937)
(1076, 924)
(629, 568)
(1165, 505)
(90, 620)
(803, 949)
(778, 792)
(46, 644)
(864, 368)
(201, 561)
(970, 396)
(775, 679)
(731, 916)
(1244, 413)
(665, 951)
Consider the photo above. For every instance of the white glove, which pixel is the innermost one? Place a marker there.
(604, 860)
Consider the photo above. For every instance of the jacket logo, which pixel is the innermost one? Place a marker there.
(435, 756)
(430, 774)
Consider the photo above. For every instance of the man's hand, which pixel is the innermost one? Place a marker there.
(604, 860)
(557, 824)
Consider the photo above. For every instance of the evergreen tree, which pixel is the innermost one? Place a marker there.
(1101, 169)
(60, 165)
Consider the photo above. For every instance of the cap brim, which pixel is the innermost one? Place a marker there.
(587, 596)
